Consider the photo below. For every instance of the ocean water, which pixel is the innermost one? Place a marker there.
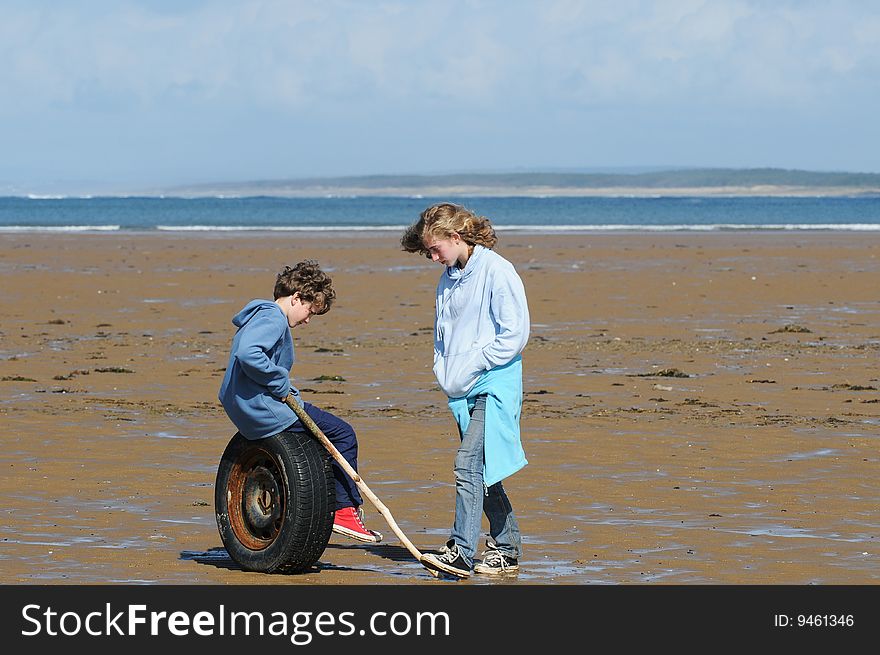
(541, 214)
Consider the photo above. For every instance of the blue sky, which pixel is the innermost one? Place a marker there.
(123, 94)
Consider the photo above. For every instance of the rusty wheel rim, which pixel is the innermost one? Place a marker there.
(256, 498)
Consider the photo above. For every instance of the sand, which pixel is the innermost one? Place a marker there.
(699, 408)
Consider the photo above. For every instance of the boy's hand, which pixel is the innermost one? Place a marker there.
(294, 396)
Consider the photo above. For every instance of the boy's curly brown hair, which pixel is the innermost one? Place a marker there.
(310, 282)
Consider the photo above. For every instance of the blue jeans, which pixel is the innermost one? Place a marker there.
(472, 498)
(341, 435)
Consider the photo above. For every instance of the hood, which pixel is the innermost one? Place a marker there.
(250, 311)
(473, 263)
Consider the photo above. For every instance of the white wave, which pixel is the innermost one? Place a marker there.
(59, 228)
(718, 227)
(278, 228)
(39, 196)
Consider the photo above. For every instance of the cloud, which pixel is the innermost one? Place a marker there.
(346, 81)
(301, 53)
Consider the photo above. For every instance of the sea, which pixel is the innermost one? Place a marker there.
(552, 214)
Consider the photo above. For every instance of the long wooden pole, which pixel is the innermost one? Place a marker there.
(364, 489)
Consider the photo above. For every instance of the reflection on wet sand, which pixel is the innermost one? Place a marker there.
(699, 408)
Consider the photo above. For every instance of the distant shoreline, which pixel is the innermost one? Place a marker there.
(525, 191)
(707, 182)
(702, 182)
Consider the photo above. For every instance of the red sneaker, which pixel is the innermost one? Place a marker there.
(349, 521)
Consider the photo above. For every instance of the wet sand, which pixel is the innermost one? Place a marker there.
(699, 408)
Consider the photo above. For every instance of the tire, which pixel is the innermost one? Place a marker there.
(274, 499)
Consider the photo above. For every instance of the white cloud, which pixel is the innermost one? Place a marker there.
(469, 72)
(296, 53)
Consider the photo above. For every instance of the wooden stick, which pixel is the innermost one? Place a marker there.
(365, 490)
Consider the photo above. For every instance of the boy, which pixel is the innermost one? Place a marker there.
(257, 381)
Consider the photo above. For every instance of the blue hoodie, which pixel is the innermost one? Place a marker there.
(503, 454)
(258, 374)
(481, 327)
(482, 320)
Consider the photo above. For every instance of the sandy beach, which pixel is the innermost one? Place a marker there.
(699, 408)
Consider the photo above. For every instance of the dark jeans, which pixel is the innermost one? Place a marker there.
(341, 435)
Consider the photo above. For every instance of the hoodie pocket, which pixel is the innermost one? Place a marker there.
(456, 374)
(273, 407)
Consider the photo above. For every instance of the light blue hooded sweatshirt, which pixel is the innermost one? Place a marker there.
(481, 327)
(503, 453)
(258, 374)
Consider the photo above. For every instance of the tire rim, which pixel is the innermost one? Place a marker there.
(256, 498)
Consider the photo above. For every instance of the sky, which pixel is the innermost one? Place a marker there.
(124, 94)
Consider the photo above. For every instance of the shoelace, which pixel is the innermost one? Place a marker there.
(359, 517)
(448, 555)
(495, 558)
(359, 513)
(359, 520)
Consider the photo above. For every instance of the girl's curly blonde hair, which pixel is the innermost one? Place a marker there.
(443, 220)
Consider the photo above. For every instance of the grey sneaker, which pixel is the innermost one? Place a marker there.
(449, 560)
(496, 563)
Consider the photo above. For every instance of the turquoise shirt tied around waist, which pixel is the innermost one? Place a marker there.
(503, 453)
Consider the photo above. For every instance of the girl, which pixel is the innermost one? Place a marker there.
(481, 327)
